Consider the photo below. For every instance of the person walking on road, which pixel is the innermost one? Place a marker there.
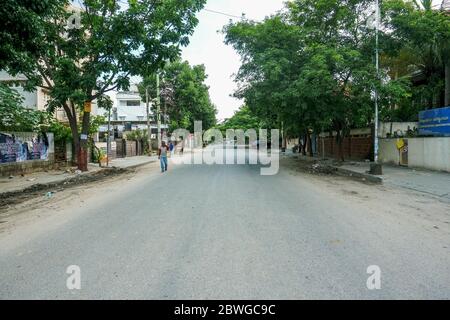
(171, 147)
(162, 156)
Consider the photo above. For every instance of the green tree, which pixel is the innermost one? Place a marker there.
(425, 33)
(89, 51)
(184, 95)
(272, 60)
(22, 29)
(242, 119)
(312, 67)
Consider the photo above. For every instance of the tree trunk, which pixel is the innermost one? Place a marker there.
(447, 83)
(310, 150)
(305, 142)
(73, 128)
(83, 149)
(300, 143)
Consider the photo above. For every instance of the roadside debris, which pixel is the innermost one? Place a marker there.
(319, 168)
(49, 194)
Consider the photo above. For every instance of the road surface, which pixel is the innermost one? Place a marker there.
(226, 232)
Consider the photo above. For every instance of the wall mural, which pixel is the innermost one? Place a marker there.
(17, 147)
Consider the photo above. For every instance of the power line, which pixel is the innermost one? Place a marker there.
(124, 2)
(224, 14)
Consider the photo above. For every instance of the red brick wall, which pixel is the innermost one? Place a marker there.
(354, 148)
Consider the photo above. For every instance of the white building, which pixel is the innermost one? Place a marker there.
(129, 113)
(130, 107)
(445, 6)
(33, 100)
(36, 99)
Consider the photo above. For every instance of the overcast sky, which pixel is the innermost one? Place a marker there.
(221, 61)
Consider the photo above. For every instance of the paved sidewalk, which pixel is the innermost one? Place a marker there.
(432, 182)
(17, 183)
(435, 183)
(132, 162)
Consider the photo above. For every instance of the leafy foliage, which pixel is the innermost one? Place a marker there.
(242, 119)
(184, 95)
(140, 136)
(15, 118)
(424, 34)
(311, 67)
(22, 30)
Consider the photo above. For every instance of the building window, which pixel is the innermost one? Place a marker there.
(140, 118)
(133, 103)
(122, 118)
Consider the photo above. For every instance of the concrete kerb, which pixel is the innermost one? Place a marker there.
(355, 175)
(135, 166)
(364, 177)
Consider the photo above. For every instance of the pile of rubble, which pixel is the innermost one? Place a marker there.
(322, 169)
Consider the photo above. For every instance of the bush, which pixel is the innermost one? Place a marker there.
(140, 136)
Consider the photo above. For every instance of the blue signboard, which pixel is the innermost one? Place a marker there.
(435, 122)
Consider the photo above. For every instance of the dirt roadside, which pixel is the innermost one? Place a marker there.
(8, 199)
(78, 193)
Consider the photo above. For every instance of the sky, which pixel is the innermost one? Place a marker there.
(221, 61)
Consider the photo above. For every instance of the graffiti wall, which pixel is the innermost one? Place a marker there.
(19, 147)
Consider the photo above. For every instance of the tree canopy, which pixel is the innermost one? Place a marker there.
(423, 34)
(242, 119)
(311, 67)
(184, 95)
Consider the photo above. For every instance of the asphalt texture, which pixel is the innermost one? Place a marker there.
(226, 232)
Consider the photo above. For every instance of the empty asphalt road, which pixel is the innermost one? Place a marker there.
(226, 232)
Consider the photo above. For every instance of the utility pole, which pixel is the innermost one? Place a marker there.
(164, 93)
(108, 141)
(158, 112)
(376, 166)
(378, 77)
(149, 129)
